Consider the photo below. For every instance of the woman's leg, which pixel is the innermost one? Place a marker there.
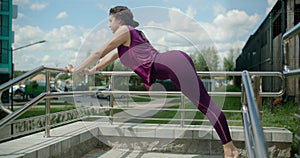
(179, 68)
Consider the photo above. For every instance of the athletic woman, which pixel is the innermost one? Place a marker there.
(136, 52)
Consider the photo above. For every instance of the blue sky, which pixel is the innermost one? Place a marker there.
(73, 28)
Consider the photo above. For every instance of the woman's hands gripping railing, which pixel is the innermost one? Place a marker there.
(255, 141)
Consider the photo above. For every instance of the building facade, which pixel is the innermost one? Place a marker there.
(264, 50)
(7, 13)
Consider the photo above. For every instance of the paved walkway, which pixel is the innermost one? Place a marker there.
(117, 153)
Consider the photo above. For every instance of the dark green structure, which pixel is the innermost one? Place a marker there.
(263, 50)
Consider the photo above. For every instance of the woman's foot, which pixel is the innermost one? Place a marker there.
(230, 151)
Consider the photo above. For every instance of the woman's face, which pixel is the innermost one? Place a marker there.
(114, 23)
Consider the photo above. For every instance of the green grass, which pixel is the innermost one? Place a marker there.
(230, 103)
(283, 117)
(107, 112)
(41, 111)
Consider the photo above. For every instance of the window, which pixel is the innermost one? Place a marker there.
(4, 25)
(4, 4)
(276, 26)
(4, 52)
(297, 14)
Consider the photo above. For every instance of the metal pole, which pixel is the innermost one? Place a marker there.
(47, 108)
(182, 106)
(256, 88)
(111, 100)
(258, 135)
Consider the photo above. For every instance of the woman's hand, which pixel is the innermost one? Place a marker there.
(69, 68)
(88, 71)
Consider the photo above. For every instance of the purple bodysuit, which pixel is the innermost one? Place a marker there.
(176, 65)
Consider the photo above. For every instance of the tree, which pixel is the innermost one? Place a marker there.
(206, 60)
(199, 61)
(229, 62)
(211, 57)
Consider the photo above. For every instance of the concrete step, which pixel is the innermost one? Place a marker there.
(77, 139)
(116, 153)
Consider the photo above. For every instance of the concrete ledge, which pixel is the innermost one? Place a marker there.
(76, 139)
(189, 139)
(73, 140)
(272, 134)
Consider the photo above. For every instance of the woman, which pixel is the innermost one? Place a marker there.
(135, 52)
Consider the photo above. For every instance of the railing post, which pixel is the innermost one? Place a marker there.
(256, 88)
(47, 108)
(182, 113)
(111, 100)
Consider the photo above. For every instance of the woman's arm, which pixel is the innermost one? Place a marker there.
(120, 37)
(106, 60)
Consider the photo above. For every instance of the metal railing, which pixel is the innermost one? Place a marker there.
(255, 141)
(48, 95)
(293, 32)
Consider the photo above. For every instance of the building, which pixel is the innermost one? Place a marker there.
(7, 13)
(263, 50)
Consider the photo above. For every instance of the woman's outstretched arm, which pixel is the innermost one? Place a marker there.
(120, 37)
(106, 60)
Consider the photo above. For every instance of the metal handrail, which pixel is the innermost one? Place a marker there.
(284, 42)
(12, 82)
(291, 33)
(255, 140)
(292, 73)
(294, 31)
(46, 95)
(221, 73)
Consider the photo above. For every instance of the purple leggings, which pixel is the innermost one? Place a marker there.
(179, 67)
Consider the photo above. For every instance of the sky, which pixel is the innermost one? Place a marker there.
(74, 28)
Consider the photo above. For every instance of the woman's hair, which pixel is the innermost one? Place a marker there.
(123, 13)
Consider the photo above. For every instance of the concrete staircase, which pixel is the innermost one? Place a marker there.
(101, 139)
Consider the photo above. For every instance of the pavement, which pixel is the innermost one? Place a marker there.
(118, 153)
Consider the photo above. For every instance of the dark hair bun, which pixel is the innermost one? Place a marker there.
(123, 13)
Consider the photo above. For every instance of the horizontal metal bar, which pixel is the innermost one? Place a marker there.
(291, 33)
(204, 73)
(162, 109)
(159, 119)
(297, 116)
(292, 73)
(297, 137)
(153, 93)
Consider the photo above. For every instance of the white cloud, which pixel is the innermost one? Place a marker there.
(227, 30)
(20, 15)
(66, 44)
(219, 9)
(191, 11)
(231, 26)
(177, 30)
(61, 15)
(45, 59)
(38, 6)
(58, 40)
(21, 1)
